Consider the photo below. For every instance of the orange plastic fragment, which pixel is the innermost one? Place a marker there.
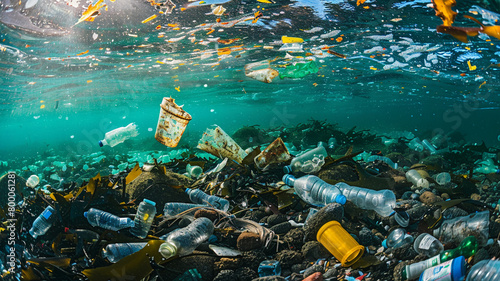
(444, 11)
(83, 53)
(360, 2)
(224, 51)
(339, 39)
(149, 19)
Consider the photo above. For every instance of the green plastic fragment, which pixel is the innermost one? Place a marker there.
(299, 70)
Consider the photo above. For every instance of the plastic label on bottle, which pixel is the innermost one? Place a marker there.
(426, 242)
(441, 272)
(46, 214)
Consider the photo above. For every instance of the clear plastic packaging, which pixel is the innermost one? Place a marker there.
(32, 181)
(416, 178)
(427, 245)
(185, 240)
(314, 190)
(43, 223)
(387, 160)
(457, 229)
(428, 145)
(174, 208)
(117, 251)
(397, 238)
(416, 145)
(143, 218)
(485, 270)
(308, 162)
(200, 197)
(106, 220)
(119, 135)
(380, 201)
(443, 178)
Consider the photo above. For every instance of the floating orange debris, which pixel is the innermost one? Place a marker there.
(158, 27)
(224, 51)
(228, 41)
(359, 2)
(89, 81)
(82, 53)
(471, 67)
(444, 11)
(149, 19)
(91, 12)
(172, 24)
(178, 88)
(42, 106)
(339, 39)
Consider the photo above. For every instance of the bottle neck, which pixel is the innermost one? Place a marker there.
(168, 249)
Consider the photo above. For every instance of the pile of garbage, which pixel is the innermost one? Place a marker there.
(287, 209)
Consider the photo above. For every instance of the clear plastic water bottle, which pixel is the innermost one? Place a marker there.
(427, 245)
(184, 241)
(428, 145)
(200, 197)
(443, 178)
(194, 171)
(119, 135)
(174, 208)
(485, 270)
(32, 181)
(416, 178)
(387, 160)
(416, 145)
(314, 190)
(307, 162)
(117, 251)
(43, 223)
(143, 218)
(457, 229)
(381, 201)
(397, 238)
(106, 220)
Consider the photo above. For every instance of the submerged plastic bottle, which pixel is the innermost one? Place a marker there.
(43, 223)
(467, 248)
(32, 181)
(117, 251)
(428, 145)
(427, 245)
(417, 179)
(453, 270)
(416, 145)
(457, 229)
(184, 241)
(119, 135)
(144, 218)
(174, 208)
(387, 160)
(194, 171)
(200, 197)
(381, 201)
(106, 220)
(397, 238)
(307, 162)
(314, 190)
(443, 178)
(485, 270)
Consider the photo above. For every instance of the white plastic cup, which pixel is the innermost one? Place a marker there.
(171, 123)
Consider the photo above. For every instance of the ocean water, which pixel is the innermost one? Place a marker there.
(63, 86)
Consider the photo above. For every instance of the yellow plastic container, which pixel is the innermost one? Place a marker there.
(286, 39)
(340, 243)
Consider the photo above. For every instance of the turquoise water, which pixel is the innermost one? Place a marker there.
(55, 98)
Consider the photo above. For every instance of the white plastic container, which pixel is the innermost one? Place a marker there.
(119, 135)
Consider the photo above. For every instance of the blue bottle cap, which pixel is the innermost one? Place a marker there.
(100, 144)
(384, 243)
(187, 190)
(458, 268)
(149, 201)
(287, 169)
(85, 214)
(341, 199)
(288, 179)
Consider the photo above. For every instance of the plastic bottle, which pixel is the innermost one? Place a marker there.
(194, 171)
(43, 223)
(467, 248)
(428, 145)
(485, 270)
(106, 220)
(416, 178)
(200, 197)
(184, 241)
(453, 270)
(381, 201)
(457, 229)
(387, 160)
(397, 238)
(117, 251)
(427, 245)
(332, 143)
(174, 208)
(307, 162)
(314, 190)
(143, 218)
(416, 145)
(119, 135)
(32, 181)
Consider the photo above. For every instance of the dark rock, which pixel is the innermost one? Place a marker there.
(340, 172)
(429, 198)
(287, 258)
(481, 254)
(255, 215)
(332, 272)
(276, 219)
(331, 212)
(299, 267)
(296, 277)
(494, 250)
(252, 259)
(270, 278)
(203, 263)
(313, 250)
(405, 252)
(248, 241)
(281, 228)
(398, 270)
(366, 237)
(407, 195)
(246, 274)
(226, 275)
(294, 238)
(434, 161)
(210, 214)
(313, 269)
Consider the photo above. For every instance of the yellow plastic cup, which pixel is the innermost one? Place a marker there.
(171, 123)
(340, 243)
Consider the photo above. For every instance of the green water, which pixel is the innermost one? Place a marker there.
(55, 98)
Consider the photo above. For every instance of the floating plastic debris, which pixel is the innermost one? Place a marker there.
(218, 143)
(172, 122)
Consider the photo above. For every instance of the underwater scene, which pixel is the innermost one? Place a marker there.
(250, 140)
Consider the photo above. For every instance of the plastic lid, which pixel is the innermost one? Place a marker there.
(384, 243)
(149, 201)
(101, 144)
(85, 214)
(187, 190)
(341, 199)
(402, 218)
(287, 169)
(288, 179)
(458, 268)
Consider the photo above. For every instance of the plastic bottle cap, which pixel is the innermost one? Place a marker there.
(149, 201)
(187, 190)
(287, 169)
(458, 268)
(101, 144)
(384, 243)
(85, 214)
(341, 199)
(288, 179)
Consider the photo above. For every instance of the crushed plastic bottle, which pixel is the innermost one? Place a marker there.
(457, 229)
(485, 270)
(32, 181)
(397, 238)
(428, 145)
(200, 197)
(427, 245)
(381, 201)
(143, 218)
(43, 223)
(416, 178)
(106, 220)
(174, 208)
(314, 190)
(185, 240)
(416, 145)
(119, 135)
(117, 251)
(308, 162)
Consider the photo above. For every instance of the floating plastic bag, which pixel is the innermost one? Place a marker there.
(171, 123)
(299, 70)
(218, 143)
(276, 152)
